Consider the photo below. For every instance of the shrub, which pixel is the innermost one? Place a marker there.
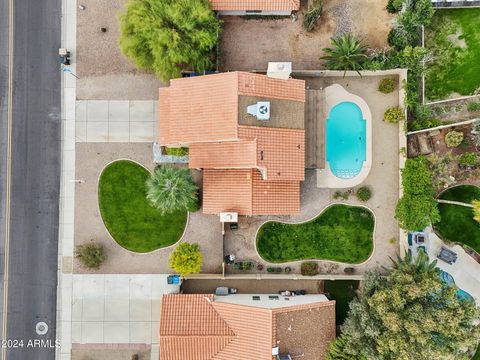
(453, 138)
(364, 193)
(349, 270)
(469, 159)
(182, 151)
(346, 53)
(341, 195)
(91, 255)
(394, 6)
(171, 189)
(313, 13)
(473, 106)
(394, 115)
(288, 269)
(186, 259)
(309, 268)
(168, 36)
(386, 85)
(475, 131)
(476, 210)
(397, 39)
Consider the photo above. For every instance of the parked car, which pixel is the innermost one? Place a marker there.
(223, 291)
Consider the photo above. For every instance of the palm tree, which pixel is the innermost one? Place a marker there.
(171, 189)
(414, 265)
(347, 53)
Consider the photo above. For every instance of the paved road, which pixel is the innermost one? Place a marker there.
(35, 172)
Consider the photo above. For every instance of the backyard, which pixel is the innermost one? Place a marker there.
(129, 218)
(454, 40)
(457, 223)
(341, 233)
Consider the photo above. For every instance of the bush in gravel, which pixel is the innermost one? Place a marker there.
(309, 268)
(468, 159)
(473, 106)
(364, 193)
(91, 255)
(453, 138)
(313, 14)
(386, 86)
(186, 259)
(393, 115)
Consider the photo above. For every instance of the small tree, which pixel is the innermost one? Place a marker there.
(171, 189)
(347, 53)
(394, 115)
(453, 138)
(168, 36)
(476, 210)
(186, 259)
(91, 255)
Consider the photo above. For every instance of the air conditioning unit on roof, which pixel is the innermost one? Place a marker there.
(261, 110)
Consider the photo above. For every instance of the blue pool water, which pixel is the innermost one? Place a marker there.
(346, 140)
(461, 294)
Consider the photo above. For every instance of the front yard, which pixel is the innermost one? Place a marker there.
(341, 233)
(127, 214)
(457, 223)
(454, 39)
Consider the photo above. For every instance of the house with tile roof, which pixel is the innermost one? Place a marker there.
(245, 326)
(250, 166)
(255, 7)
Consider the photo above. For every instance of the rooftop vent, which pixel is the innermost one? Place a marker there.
(261, 110)
(279, 70)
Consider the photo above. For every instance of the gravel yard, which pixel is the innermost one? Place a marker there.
(250, 44)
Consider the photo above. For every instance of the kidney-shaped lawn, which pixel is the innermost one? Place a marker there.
(340, 233)
(127, 214)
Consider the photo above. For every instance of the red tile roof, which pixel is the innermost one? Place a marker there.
(250, 84)
(241, 5)
(239, 154)
(196, 327)
(280, 151)
(245, 192)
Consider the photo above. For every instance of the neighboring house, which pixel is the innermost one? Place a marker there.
(252, 164)
(255, 7)
(247, 327)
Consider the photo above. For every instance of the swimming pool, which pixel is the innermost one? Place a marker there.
(346, 140)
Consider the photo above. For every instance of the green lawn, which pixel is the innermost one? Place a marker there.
(341, 233)
(342, 291)
(130, 219)
(457, 222)
(454, 40)
(477, 354)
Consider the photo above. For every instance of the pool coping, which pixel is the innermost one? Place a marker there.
(334, 95)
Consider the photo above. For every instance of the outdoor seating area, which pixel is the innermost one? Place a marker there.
(449, 256)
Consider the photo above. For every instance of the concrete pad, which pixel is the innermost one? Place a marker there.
(117, 286)
(97, 131)
(140, 310)
(93, 310)
(117, 310)
(119, 110)
(76, 332)
(142, 111)
(81, 131)
(156, 309)
(77, 309)
(81, 111)
(116, 332)
(97, 110)
(92, 332)
(93, 286)
(141, 287)
(140, 332)
(142, 131)
(118, 131)
(155, 332)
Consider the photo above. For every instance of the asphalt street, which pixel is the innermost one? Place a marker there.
(35, 175)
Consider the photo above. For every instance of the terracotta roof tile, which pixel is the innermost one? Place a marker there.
(201, 108)
(255, 4)
(239, 154)
(251, 84)
(275, 197)
(227, 190)
(280, 151)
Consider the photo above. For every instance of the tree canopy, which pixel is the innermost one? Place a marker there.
(172, 189)
(346, 53)
(186, 259)
(417, 208)
(168, 36)
(409, 314)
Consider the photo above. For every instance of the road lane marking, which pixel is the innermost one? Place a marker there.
(8, 177)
